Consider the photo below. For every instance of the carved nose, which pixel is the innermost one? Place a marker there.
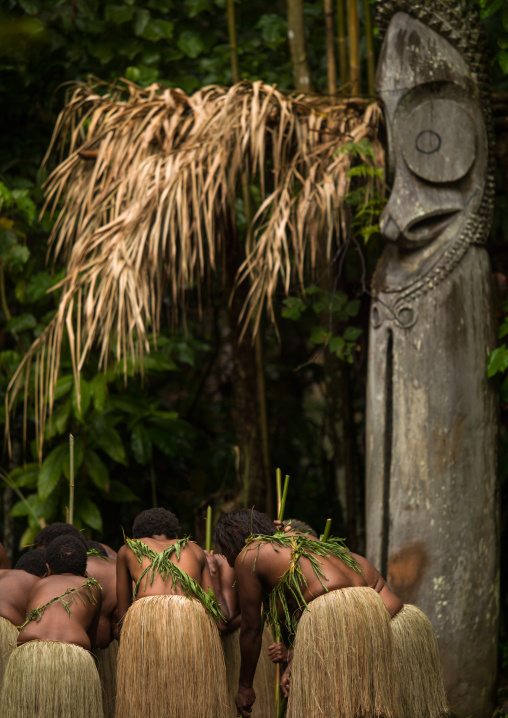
(389, 227)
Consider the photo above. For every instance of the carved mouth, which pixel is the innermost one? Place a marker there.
(424, 230)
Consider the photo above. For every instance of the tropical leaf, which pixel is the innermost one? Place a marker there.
(119, 492)
(51, 470)
(97, 470)
(89, 513)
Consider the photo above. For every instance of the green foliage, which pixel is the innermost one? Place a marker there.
(111, 426)
(114, 426)
(340, 335)
(342, 339)
(179, 44)
(495, 16)
(365, 207)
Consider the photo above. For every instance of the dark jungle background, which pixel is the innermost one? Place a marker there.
(171, 439)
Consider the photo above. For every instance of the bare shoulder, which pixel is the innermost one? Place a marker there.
(226, 572)
(38, 587)
(198, 552)
(97, 592)
(100, 568)
(248, 557)
(123, 553)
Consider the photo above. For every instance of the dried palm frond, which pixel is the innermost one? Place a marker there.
(343, 662)
(146, 195)
(170, 661)
(49, 678)
(417, 665)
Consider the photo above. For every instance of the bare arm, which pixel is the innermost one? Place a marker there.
(123, 584)
(250, 595)
(391, 601)
(377, 582)
(229, 592)
(207, 583)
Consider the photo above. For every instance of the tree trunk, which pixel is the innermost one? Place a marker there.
(245, 412)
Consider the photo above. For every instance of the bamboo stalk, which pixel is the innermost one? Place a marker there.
(342, 43)
(326, 533)
(278, 484)
(284, 496)
(282, 708)
(281, 504)
(298, 45)
(208, 541)
(369, 38)
(71, 479)
(354, 47)
(330, 47)
(277, 680)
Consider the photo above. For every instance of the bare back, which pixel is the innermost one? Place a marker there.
(15, 586)
(262, 561)
(104, 571)
(258, 570)
(78, 626)
(192, 561)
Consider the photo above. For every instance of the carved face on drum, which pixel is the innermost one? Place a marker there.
(437, 141)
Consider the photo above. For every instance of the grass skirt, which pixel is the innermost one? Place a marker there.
(264, 680)
(417, 665)
(107, 659)
(8, 638)
(49, 679)
(343, 660)
(170, 661)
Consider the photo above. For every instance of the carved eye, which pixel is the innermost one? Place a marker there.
(439, 141)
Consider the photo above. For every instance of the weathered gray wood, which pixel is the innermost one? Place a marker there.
(432, 514)
(439, 140)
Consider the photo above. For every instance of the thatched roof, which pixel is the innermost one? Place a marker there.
(147, 191)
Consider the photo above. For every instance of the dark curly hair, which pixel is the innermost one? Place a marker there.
(155, 521)
(300, 526)
(52, 531)
(96, 546)
(33, 562)
(232, 529)
(67, 554)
